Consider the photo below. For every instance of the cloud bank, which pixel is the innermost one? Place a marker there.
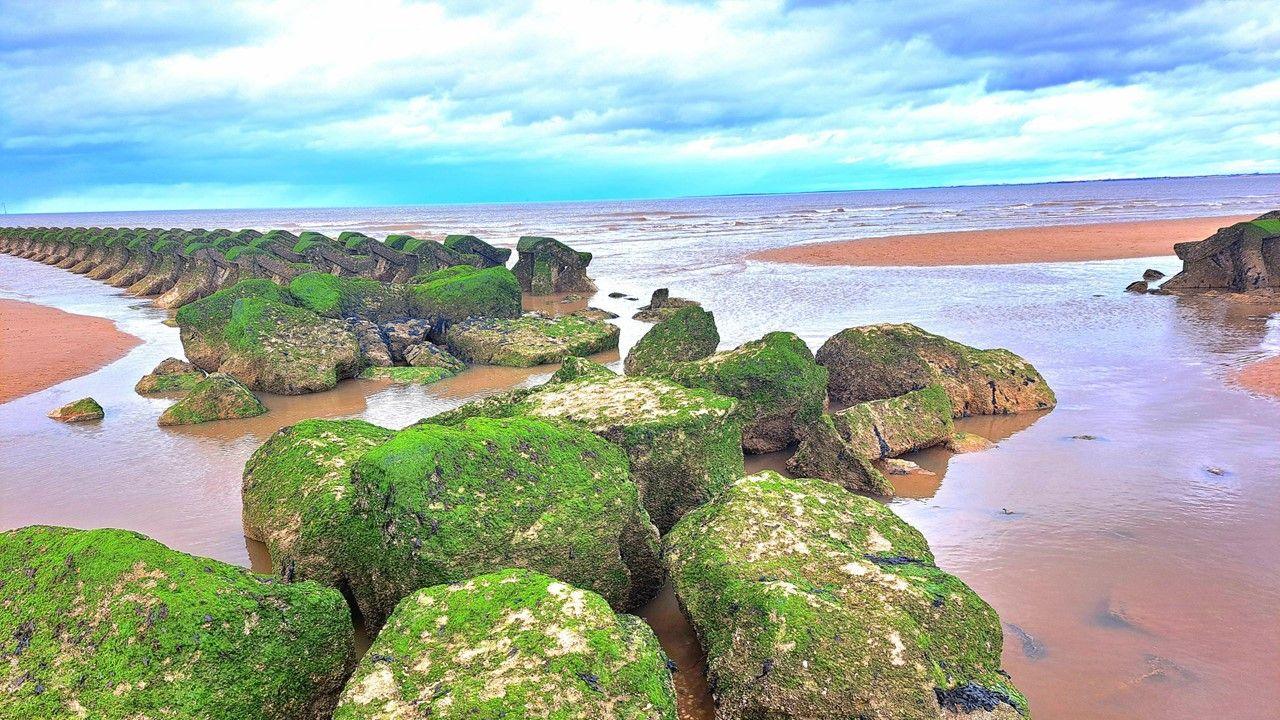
(110, 105)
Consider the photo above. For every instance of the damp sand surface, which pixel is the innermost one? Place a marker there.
(42, 346)
(1137, 572)
(1262, 377)
(1002, 246)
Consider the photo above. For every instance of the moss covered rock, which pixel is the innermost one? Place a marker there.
(345, 297)
(684, 444)
(689, 334)
(875, 362)
(893, 427)
(825, 453)
(475, 249)
(287, 350)
(217, 397)
(963, 442)
(297, 495)
(529, 340)
(81, 410)
(545, 266)
(510, 644)
(439, 504)
(579, 368)
(779, 388)
(448, 297)
(171, 377)
(203, 322)
(409, 375)
(109, 624)
(813, 602)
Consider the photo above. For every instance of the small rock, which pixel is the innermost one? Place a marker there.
(1138, 286)
(1215, 470)
(617, 295)
(963, 442)
(898, 466)
(81, 410)
(1151, 275)
(217, 397)
(1085, 437)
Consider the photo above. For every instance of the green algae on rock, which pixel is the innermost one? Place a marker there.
(450, 295)
(684, 444)
(510, 644)
(779, 388)
(343, 297)
(217, 397)
(545, 266)
(689, 334)
(439, 504)
(171, 377)
(529, 340)
(287, 350)
(409, 375)
(81, 410)
(813, 602)
(824, 453)
(875, 362)
(889, 428)
(297, 495)
(580, 368)
(110, 624)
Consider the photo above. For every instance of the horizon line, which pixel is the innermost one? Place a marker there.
(651, 198)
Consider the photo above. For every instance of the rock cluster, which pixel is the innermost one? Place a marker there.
(1240, 258)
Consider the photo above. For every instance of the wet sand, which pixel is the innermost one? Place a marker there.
(43, 346)
(1010, 246)
(1262, 377)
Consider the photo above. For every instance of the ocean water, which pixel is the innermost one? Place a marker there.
(1134, 582)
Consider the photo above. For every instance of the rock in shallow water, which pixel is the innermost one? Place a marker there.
(814, 602)
(110, 624)
(511, 644)
(217, 397)
(530, 340)
(81, 410)
(875, 362)
(689, 334)
(171, 377)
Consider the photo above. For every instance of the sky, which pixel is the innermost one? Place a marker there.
(123, 106)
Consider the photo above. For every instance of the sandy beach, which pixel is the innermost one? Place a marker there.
(1056, 243)
(1262, 377)
(43, 346)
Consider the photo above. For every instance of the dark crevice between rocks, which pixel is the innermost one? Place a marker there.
(972, 697)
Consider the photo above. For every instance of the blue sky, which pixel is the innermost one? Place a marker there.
(117, 105)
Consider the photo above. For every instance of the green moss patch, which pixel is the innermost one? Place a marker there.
(689, 334)
(529, 340)
(109, 624)
(511, 644)
(217, 397)
(815, 602)
(457, 296)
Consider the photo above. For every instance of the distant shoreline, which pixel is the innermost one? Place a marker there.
(44, 346)
(1007, 246)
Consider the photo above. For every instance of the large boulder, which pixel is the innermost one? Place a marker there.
(110, 624)
(457, 293)
(688, 334)
(532, 339)
(348, 297)
(297, 495)
(546, 266)
(439, 504)
(875, 362)
(172, 376)
(510, 644)
(217, 397)
(684, 444)
(254, 332)
(813, 602)
(779, 388)
(1241, 257)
